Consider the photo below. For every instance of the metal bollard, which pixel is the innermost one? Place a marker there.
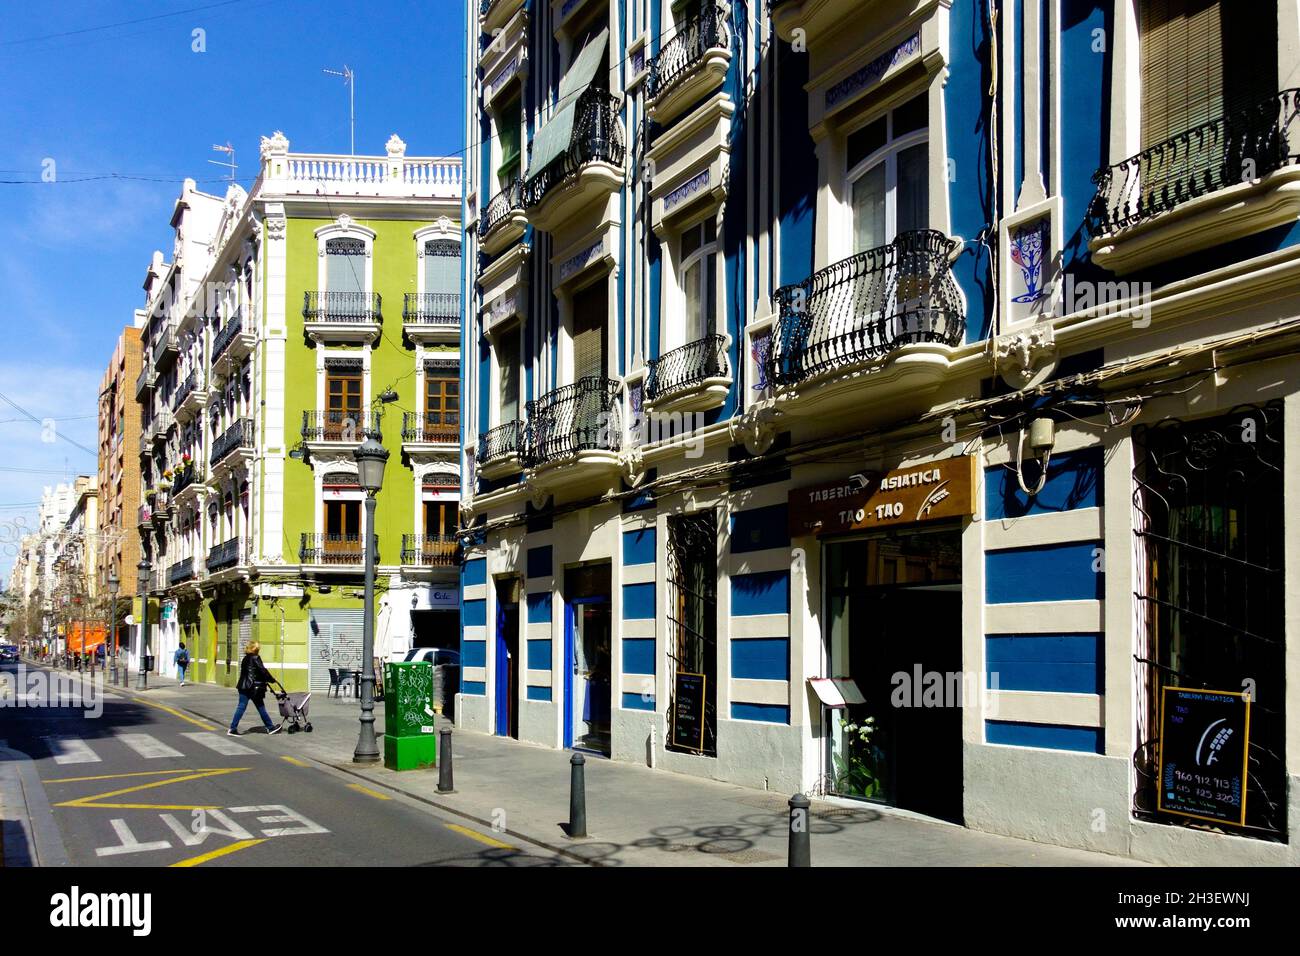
(800, 847)
(577, 796)
(444, 760)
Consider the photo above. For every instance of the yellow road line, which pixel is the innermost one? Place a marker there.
(478, 836)
(224, 851)
(367, 791)
(136, 773)
(295, 761)
(92, 801)
(201, 724)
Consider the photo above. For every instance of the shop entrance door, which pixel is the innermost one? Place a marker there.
(507, 671)
(588, 633)
(895, 629)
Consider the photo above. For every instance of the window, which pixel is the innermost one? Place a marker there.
(590, 314)
(440, 518)
(699, 258)
(508, 133)
(507, 346)
(442, 267)
(342, 402)
(692, 624)
(442, 404)
(345, 265)
(342, 527)
(888, 172)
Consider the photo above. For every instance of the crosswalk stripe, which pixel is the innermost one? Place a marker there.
(151, 748)
(222, 745)
(71, 750)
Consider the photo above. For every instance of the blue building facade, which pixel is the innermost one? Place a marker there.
(894, 401)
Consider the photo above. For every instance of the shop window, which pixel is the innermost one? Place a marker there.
(693, 624)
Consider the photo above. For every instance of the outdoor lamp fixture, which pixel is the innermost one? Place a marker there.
(114, 585)
(1042, 439)
(371, 457)
(146, 574)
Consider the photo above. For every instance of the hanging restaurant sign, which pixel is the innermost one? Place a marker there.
(1204, 739)
(929, 492)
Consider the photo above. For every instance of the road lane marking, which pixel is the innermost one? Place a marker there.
(480, 837)
(368, 792)
(213, 854)
(295, 761)
(94, 800)
(151, 748)
(202, 724)
(226, 746)
(129, 843)
(134, 773)
(71, 750)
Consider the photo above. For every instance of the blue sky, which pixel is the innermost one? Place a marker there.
(117, 89)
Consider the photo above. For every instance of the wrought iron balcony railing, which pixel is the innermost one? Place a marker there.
(230, 553)
(234, 325)
(180, 571)
(238, 435)
(510, 199)
(1223, 152)
(185, 476)
(166, 345)
(429, 550)
(501, 442)
(597, 138)
(583, 416)
(192, 381)
(330, 548)
(684, 368)
(431, 308)
(332, 425)
(442, 427)
(356, 308)
(864, 307)
(680, 55)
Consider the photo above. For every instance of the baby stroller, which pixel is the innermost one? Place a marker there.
(293, 708)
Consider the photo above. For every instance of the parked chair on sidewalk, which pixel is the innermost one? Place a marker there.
(336, 681)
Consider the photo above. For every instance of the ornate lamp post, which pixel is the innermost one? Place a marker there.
(113, 585)
(145, 579)
(371, 457)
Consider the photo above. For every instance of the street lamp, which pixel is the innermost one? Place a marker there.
(146, 574)
(113, 585)
(371, 457)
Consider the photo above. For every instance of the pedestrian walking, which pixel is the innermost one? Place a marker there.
(182, 659)
(254, 678)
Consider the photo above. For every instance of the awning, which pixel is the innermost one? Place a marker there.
(554, 137)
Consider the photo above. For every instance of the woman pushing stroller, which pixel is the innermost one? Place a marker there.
(254, 678)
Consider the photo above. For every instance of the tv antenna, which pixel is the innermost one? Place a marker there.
(229, 151)
(350, 79)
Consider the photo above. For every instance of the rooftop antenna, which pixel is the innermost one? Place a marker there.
(350, 79)
(229, 151)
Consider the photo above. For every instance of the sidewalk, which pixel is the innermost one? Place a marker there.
(635, 816)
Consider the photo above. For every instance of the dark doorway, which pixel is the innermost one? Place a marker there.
(507, 669)
(436, 628)
(588, 634)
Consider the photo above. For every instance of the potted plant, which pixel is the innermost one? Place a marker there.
(860, 768)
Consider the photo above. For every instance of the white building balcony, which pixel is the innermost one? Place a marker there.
(691, 64)
(576, 162)
(342, 316)
(431, 316)
(692, 378)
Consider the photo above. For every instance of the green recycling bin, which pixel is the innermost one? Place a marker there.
(410, 731)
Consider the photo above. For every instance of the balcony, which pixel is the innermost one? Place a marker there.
(430, 428)
(144, 380)
(166, 347)
(163, 423)
(501, 451)
(691, 64)
(234, 444)
(495, 14)
(180, 572)
(145, 520)
(232, 343)
(187, 478)
(584, 174)
(692, 378)
(503, 222)
(332, 427)
(190, 396)
(574, 434)
(342, 316)
(430, 550)
(146, 439)
(896, 305)
(332, 549)
(1222, 180)
(431, 316)
(229, 554)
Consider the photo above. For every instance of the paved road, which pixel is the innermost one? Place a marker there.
(142, 784)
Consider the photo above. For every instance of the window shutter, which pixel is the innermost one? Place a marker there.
(589, 333)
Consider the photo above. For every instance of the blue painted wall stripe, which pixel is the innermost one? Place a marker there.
(768, 713)
(1074, 480)
(539, 562)
(767, 592)
(473, 654)
(759, 529)
(639, 602)
(1055, 572)
(538, 693)
(639, 546)
(476, 687)
(638, 702)
(638, 655)
(760, 658)
(539, 607)
(1065, 663)
(1049, 736)
(475, 571)
(539, 654)
(475, 613)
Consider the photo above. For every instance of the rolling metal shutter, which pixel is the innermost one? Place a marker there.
(335, 640)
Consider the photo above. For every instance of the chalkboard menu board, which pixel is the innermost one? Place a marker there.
(1204, 737)
(408, 700)
(688, 711)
